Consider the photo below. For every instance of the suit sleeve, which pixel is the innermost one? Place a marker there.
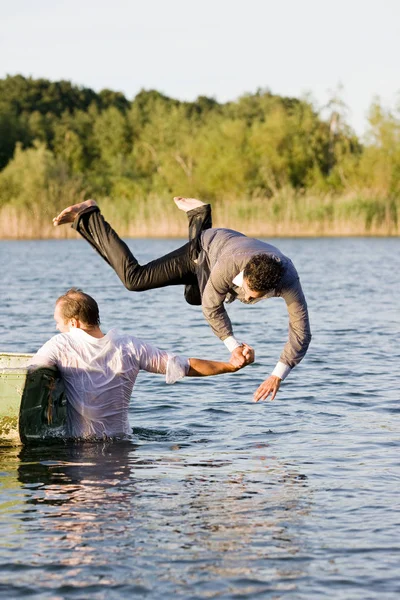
(299, 325)
(215, 291)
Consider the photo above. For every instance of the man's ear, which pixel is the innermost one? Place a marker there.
(74, 323)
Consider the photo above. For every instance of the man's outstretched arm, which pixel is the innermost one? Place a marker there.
(203, 368)
(176, 367)
(296, 346)
(215, 292)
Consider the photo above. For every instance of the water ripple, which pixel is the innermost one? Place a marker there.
(215, 496)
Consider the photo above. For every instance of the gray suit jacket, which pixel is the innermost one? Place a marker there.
(224, 254)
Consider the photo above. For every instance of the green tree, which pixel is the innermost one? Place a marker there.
(380, 162)
(34, 180)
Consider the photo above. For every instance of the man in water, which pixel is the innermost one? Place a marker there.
(215, 266)
(99, 370)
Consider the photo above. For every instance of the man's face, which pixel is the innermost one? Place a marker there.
(250, 294)
(61, 324)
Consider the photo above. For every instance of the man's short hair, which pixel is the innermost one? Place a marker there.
(75, 304)
(263, 272)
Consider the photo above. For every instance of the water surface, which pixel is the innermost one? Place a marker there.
(215, 496)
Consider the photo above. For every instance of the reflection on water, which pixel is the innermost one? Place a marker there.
(215, 496)
(173, 521)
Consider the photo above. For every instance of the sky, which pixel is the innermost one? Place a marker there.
(217, 48)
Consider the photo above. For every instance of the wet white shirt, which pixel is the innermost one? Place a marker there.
(99, 375)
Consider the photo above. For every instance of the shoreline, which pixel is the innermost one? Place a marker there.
(181, 236)
(283, 216)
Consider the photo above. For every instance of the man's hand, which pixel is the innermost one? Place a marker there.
(242, 356)
(269, 386)
(248, 353)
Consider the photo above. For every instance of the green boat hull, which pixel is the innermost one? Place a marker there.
(32, 402)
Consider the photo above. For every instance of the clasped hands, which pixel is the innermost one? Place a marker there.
(241, 356)
(244, 355)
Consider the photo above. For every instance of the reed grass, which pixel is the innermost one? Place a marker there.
(287, 214)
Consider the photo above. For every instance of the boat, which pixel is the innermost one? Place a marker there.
(32, 401)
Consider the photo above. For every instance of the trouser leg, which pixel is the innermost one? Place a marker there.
(175, 268)
(199, 220)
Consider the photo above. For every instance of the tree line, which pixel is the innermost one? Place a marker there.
(263, 154)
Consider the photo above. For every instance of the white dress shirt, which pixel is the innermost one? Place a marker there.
(99, 375)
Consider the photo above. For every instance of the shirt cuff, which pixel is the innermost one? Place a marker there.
(231, 343)
(281, 370)
(177, 368)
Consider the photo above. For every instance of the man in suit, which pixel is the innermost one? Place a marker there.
(216, 266)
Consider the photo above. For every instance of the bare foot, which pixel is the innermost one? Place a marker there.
(187, 204)
(69, 214)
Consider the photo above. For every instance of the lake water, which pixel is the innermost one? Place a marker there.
(216, 496)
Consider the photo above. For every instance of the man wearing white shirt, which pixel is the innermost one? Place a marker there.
(216, 267)
(99, 370)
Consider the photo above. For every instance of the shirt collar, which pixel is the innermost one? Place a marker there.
(238, 280)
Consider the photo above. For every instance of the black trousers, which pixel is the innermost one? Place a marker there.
(176, 268)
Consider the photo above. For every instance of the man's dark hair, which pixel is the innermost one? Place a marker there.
(263, 272)
(75, 304)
